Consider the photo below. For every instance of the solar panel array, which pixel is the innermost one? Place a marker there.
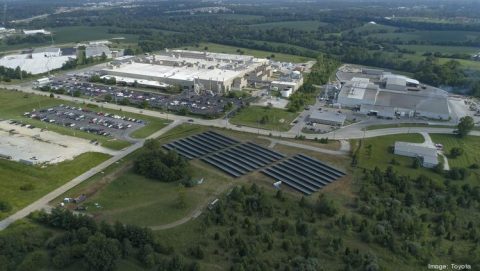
(200, 145)
(242, 159)
(303, 173)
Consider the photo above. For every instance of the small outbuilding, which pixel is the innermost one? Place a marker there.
(428, 154)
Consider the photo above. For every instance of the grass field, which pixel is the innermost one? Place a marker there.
(297, 25)
(133, 199)
(398, 125)
(381, 153)
(85, 33)
(421, 49)
(273, 118)
(219, 48)
(429, 36)
(14, 104)
(470, 145)
(71, 35)
(41, 180)
(240, 17)
(374, 27)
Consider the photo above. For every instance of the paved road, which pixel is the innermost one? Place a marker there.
(43, 202)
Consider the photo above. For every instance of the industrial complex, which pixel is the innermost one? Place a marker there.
(194, 70)
(381, 93)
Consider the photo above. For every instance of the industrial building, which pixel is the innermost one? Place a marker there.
(97, 50)
(428, 154)
(380, 93)
(328, 118)
(194, 70)
(38, 61)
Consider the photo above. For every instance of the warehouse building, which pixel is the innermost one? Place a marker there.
(38, 61)
(390, 95)
(328, 118)
(194, 70)
(428, 154)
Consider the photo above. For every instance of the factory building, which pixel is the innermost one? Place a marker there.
(390, 95)
(194, 70)
(38, 61)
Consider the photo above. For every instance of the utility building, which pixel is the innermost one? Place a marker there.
(427, 154)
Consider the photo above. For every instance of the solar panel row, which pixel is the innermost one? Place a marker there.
(303, 173)
(201, 144)
(242, 158)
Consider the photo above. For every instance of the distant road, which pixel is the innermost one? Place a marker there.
(43, 201)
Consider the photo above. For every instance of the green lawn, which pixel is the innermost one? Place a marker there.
(14, 104)
(297, 25)
(85, 33)
(15, 175)
(73, 34)
(430, 36)
(397, 125)
(219, 48)
(421, 49)
(273, 118)
(470, 145)
(381, 154)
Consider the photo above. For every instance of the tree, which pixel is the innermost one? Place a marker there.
(101, 253)
(416, 163)
(326, 206)
(465, 125)
(456, 152)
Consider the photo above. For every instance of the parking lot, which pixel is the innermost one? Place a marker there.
(206, 104)
(99, 123)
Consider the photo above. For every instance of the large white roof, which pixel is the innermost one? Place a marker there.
(36, 65)
(179, 73)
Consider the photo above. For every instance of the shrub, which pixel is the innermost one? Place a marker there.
(5, 206)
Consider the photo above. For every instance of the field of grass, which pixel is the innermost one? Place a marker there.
(41, 180)
(421, 49)
(240, 17)
(398, 125)
(14, 104)
(378, 152)
(274, 118)
(430, 36)
(470, 145)
(133, 199)
(73, 34)
(297, 25)
(219, 48)
(374, 27)
(85, 33)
